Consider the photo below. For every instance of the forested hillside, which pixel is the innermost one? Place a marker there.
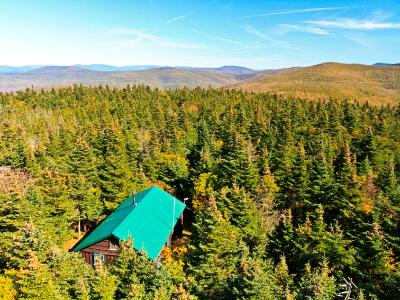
(374, 84)
(377, 85)
(287, 198)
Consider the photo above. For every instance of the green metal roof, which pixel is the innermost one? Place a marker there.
(149, 223)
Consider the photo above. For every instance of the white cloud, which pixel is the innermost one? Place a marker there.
(263, 36)
(140, 37)
(172, 20)
(307, 29)
(354, 24)
(294, 11)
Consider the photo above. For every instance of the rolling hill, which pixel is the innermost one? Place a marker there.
(110, 68)
(164, 78)
(375, 84)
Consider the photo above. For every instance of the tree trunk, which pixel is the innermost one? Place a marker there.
(79, 226)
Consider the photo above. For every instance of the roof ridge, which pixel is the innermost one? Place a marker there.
(119, 223)
(123, 219)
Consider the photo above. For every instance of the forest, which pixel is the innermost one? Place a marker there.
(288, 198)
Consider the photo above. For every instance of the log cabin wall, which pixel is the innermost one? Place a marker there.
(105, 247)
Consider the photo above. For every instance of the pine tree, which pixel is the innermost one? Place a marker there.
(237, 163)
(242, 212)
(315, 241)
(348, 196)
(265, 199)
(284, 279)
(113, 171)
(213, 262)
(137, 278)
(30, 248)
(39, 284)
(293, 182)
(322, 187)
(317, 284)
(104, 285)
(82, 185)
(281, 240)
(18, 157)
(255, 279)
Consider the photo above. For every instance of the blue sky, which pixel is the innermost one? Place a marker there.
(256, 34)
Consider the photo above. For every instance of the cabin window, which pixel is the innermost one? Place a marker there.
(98, 258)
(113, 247)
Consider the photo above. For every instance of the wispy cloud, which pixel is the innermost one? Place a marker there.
(218, 38)
(354, 24)
(360, 40)
(263, 36)
(173, 20)
(226, 40)
(139, 37)
(294, 11)
(250, 47)
(307, 29)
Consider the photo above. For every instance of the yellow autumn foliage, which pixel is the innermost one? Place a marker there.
(367, 206)
(218, 144)
(173, 257)
(7, 291)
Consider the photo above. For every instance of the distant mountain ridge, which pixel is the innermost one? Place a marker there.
(58, 69)
(223, 69)
(110, 68)
(21, 69)
(162, 77)
(379, 64)
(375, 84)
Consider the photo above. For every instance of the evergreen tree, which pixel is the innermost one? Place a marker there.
(293, 184)
(321, 187)
(113, 171)
(265, 200)
(214, 262)
(255, 279)
(348, 196)
(82, 185)
(237, 163)
(137, 278)
(317, 284)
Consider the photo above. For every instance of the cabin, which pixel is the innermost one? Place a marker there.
(148, 218)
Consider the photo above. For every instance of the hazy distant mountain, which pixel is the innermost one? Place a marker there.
(223, 69)
(375, 84)
(164, 78)
(61, 70)
(109, 68)
(21, 69)
(385, 64)
(93, 67)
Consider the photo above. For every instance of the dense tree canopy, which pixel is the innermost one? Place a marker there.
(287, 197)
